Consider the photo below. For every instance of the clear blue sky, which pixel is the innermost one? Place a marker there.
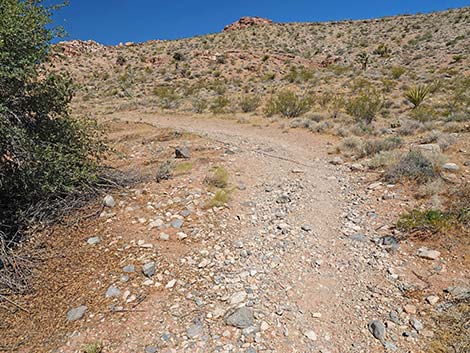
(114, 21)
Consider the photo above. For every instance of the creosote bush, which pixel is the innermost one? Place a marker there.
(365, 106)
(288, 104)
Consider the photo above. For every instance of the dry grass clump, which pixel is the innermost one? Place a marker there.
(218, 178)
(95, 347)
(452, 334)
(413, 166)
(360, 149)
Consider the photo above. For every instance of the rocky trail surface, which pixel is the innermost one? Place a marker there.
(300, 261)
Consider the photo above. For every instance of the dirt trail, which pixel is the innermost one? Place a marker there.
(281, 250)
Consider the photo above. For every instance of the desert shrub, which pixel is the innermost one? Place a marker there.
(413, 165)
(460, 204)
(426, 221)
(164, 171)
(199, 105)
(178, 56)
(424, 113)
(219, 105)
(416, 95)
(397, 71)
(95, 347)
(120, 60)
(288, 104)
(45, 154)
(409, 127)
(382, 50)
(371, 147)
(249, 103)
(298, 75)
(365, 106)
(460, 97)
(168, 98)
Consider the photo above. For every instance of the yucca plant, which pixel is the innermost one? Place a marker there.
(417, 94)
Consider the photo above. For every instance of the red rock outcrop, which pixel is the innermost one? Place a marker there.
(245, 22)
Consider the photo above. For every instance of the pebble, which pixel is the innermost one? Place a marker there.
(452, 167)
(108, 201)
(150, 349)
(410, 309)
(310, 335)
(177, 223)
(238, 298)
(432, 299)
(416, 324)
(170, 284)
(76, 313)
(93, 240)
(377, 328)
(129, 269)
(164, 237)
(149, 269)
(240, 318)
(306, 227)
(195, 330)
(112, 292)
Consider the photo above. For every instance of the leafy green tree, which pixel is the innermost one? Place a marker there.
(45, 153)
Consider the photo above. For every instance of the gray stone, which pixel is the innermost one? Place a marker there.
(129, 269)
(108, 201)
(250, 350)
(284, 198)
(185, 213)
(182, 152)
(151, 349)
(112, 292)
(195, 330)
(93, 240)
(390, 346)
(149, 269)
(416, 324)
(306, 227)
(377, 328)
(240, 318)
(358, 237)
(452, 167)
(458, 292)
(177, 223)
(429, 148)
(337, 161)
(76, 313)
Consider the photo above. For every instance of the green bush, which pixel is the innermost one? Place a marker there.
(249, 103)
(365, 106)
(429, 220)
(288, 104)
(45, 153)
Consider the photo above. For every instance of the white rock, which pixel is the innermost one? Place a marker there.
(238, 298)
(108, 201)
(425, 253)
(170, 284)
(310, 335)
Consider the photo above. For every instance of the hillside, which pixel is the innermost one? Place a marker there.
(278, 187)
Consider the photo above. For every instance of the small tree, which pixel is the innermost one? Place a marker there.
(44, 152)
